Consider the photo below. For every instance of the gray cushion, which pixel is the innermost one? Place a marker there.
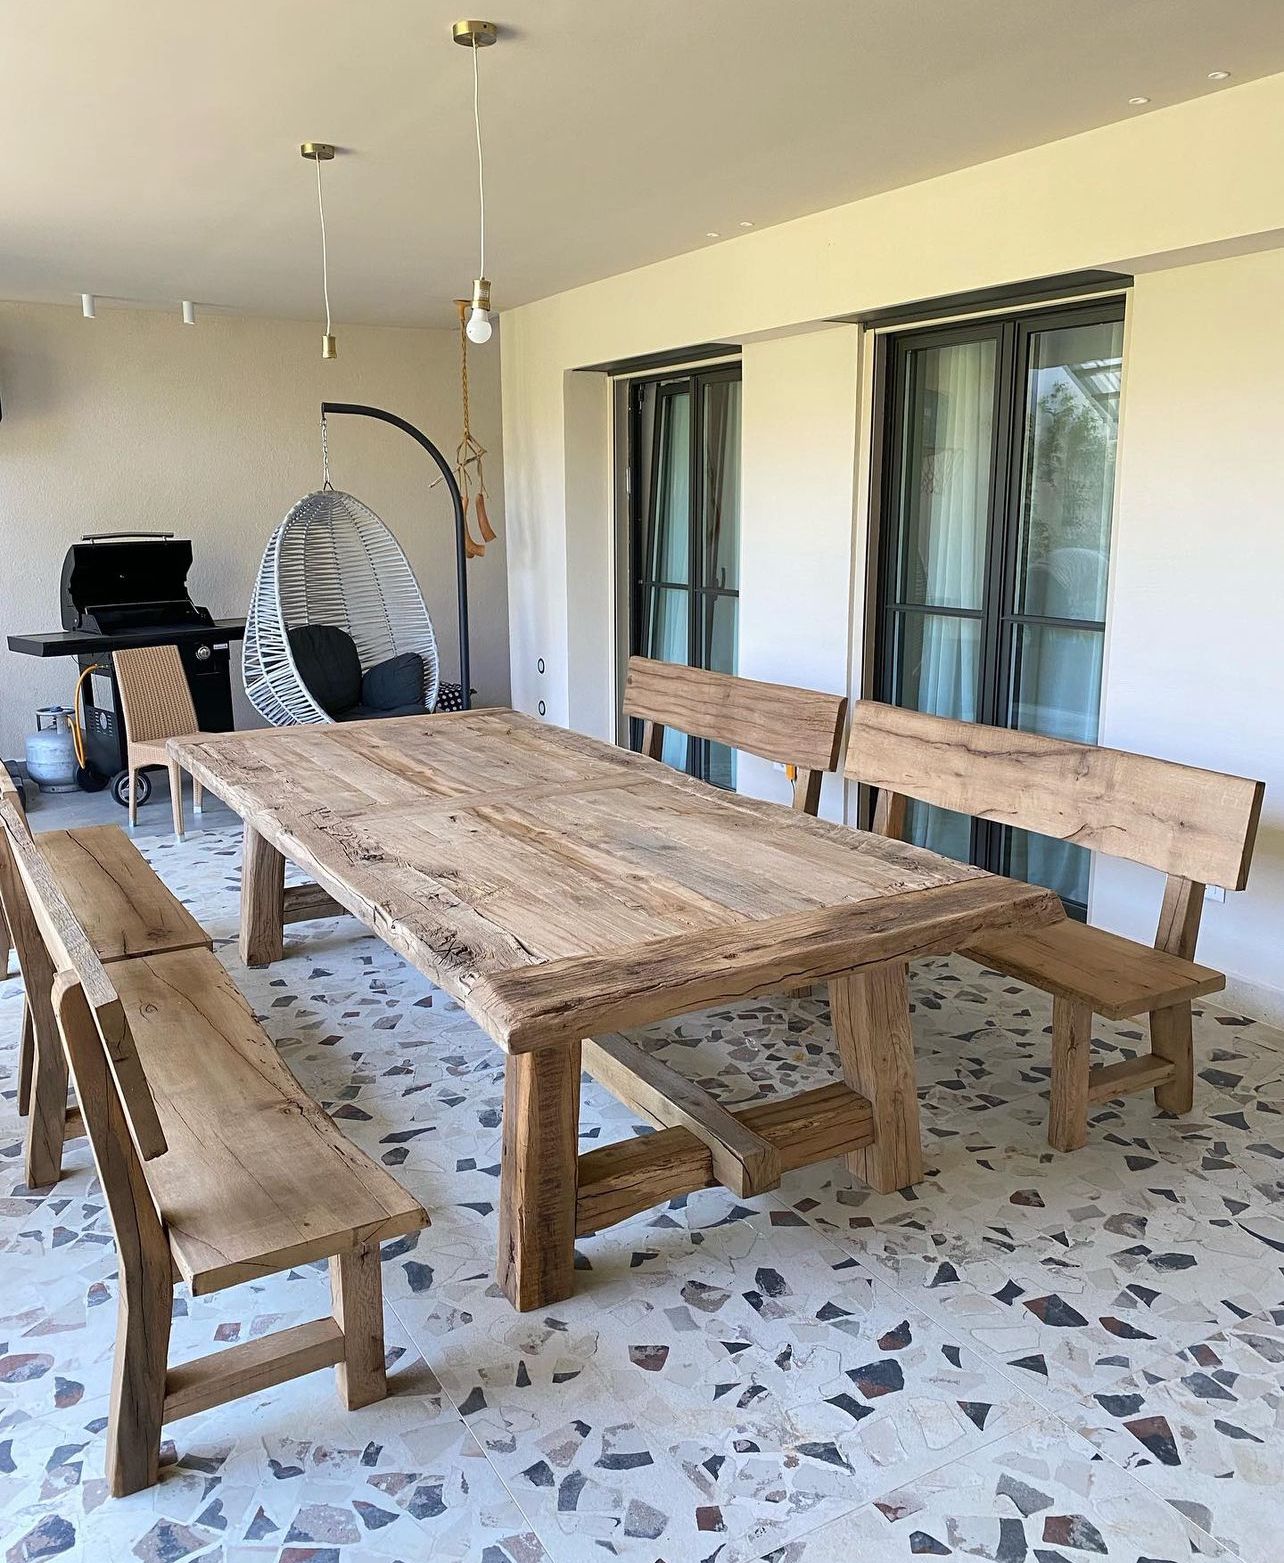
(398, 681)
(365, 713)
(328, 664)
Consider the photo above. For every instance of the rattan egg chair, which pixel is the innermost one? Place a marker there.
(332, 561)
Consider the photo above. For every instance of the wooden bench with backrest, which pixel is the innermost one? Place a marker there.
(1196, 826)
(801, 729)
(9, 790)
(125, 910)
(217, 1168)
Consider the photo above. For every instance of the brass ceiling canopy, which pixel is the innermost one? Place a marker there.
(481, 34)
(318, 151)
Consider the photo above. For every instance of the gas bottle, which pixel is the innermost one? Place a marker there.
(51, 751)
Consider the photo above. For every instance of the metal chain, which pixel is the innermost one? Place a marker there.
(325, 458)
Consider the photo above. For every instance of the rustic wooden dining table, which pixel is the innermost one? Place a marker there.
(560, 889)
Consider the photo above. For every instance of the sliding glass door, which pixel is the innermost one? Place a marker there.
(684, 536)
(994, 545)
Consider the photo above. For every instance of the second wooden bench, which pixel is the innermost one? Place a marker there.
(1198, 827)
(217, 1168)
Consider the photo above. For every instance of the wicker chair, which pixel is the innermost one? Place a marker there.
(331, 561)
(156, 703)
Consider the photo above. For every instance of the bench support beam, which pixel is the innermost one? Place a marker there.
(254, 1365)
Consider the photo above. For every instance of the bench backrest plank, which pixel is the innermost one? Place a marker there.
(780, 722)
(69, 950)
(1194, 824)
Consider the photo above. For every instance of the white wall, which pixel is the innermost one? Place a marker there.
(797, 538)
(1195, 665)
(134, 420)
(1197, 183)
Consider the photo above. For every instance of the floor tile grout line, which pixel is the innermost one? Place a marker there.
(391, 1304)
(1036, 1393)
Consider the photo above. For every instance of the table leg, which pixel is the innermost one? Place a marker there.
(262, 900)
(538, 1176)
(870, 1010)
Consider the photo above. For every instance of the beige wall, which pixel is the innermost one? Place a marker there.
(133, 420)
(1191, 200)
(1195, 650)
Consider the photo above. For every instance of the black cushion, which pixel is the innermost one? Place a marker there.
(399, 681)
(365, 713)
(328, 664)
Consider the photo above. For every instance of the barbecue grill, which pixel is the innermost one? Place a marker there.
(123, 589)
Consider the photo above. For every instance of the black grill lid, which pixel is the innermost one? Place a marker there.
(117, 570)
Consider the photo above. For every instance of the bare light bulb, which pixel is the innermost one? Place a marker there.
(479, 327)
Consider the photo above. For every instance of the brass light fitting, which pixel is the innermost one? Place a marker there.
(480, 34)
(318, 151)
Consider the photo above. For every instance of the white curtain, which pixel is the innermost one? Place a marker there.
(947, 539)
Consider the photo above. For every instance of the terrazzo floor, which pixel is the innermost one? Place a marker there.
(1028, 1359)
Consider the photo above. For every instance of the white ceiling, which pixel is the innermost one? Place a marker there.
(152, 145)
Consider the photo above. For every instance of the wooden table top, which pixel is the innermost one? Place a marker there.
(558, 886)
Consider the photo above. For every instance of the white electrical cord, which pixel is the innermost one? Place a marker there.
(325, 259)
(481, 183)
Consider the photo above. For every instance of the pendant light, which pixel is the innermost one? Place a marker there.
(322, 152)
(478, 35)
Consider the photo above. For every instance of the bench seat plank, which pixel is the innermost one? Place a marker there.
(256, 1177)
(116, 897)
(1117, 977)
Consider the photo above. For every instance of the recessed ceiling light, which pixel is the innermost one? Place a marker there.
(712, 235)
(1138, 102)
(746, 225)
(1219, 75)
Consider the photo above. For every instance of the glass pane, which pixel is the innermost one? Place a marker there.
(667, 628)
(722, 619)
(942, 830)
(1056, 681)
(1056, 690)
(945, 473)
(668, 557)
(1042, 860)
(937, 664)
(721, 483)
(1068, 470)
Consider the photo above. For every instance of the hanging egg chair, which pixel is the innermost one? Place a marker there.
(333, 577)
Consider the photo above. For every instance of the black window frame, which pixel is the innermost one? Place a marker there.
(700, 593)
(1012, 334)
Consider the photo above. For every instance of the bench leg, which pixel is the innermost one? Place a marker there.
(1071, 1061)
(46, 1107)
(198, 797)
(26, 1060)
(262, 900)
(1171, 1040)
(356, 1287)
(539, 1167)
(138, 1377)
(871, 1019)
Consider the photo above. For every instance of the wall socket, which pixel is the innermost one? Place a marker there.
(1214, 893)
